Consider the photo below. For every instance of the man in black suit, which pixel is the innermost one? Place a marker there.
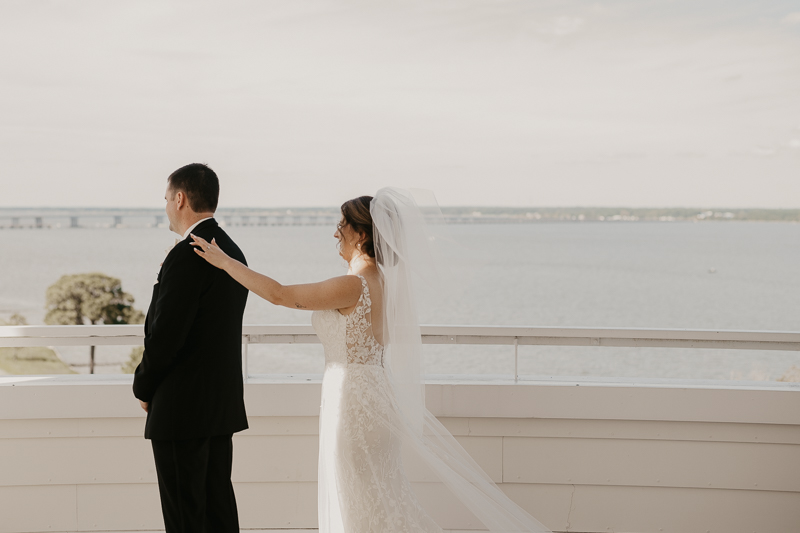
(190, 379)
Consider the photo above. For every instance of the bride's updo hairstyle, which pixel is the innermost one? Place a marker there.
(356, 214)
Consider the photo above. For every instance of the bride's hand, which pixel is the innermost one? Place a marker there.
(210, 251)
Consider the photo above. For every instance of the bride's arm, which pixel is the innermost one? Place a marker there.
(336, 293)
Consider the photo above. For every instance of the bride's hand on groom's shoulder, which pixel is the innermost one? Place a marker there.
(210, 251)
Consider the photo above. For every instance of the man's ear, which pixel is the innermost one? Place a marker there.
(180, 199)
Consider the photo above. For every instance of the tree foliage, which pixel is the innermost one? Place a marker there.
(133, 361)
(92, 298)
(14, 320)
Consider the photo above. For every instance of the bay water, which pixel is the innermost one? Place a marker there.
(706, 275)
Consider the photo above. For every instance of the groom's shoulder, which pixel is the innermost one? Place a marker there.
(183, 255)
(210, 229)
(227, 243)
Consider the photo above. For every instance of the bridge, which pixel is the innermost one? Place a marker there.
(125, 218)
(73, 218)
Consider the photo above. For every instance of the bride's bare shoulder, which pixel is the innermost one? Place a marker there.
(348, 281)
(374, 282)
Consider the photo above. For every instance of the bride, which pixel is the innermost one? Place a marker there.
(373, 407)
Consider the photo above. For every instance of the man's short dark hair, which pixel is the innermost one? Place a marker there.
(200, 185)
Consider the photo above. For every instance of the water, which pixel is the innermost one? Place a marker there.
(733, 275)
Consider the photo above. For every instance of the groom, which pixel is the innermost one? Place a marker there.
(190, 379)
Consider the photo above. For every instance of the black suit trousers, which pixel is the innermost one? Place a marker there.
(194, 480)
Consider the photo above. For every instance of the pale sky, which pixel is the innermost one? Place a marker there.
(486, 102)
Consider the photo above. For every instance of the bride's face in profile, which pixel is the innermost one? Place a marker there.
(348, 240)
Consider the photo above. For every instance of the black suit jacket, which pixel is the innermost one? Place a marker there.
(191, 370)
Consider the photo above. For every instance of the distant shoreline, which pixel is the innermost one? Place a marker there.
(628, 214)
(54, 217)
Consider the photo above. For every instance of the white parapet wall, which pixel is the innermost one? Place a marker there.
(636, 457)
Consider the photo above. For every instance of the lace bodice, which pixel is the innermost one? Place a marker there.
(349, 338)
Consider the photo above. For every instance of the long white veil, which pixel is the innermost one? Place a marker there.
(405, 258)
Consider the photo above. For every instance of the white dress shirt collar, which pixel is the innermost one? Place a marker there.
(188, 231)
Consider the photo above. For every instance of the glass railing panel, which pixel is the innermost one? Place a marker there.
(658, 363)
(468, 359)
(459, 352)
(283, 359)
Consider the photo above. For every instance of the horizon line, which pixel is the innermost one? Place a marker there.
(462, 206)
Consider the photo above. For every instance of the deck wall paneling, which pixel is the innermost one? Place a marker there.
(580, 457)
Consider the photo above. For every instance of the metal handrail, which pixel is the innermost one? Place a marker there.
(19, 336)
(23, 336)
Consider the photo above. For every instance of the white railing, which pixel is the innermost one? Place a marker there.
(23, 336)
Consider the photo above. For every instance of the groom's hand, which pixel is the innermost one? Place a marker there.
(144, 405)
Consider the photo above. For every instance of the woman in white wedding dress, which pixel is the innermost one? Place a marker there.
(372, 410)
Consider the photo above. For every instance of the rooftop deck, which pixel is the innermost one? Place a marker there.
(601, 455)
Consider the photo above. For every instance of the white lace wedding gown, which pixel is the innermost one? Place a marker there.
(362, 483)
(363, 486)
